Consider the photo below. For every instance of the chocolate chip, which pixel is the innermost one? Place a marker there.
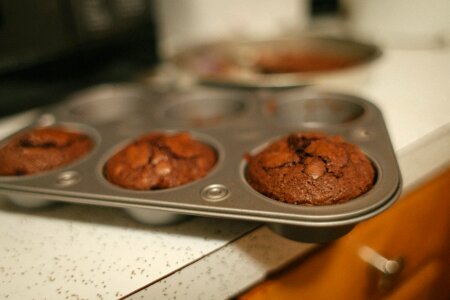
(315, 168)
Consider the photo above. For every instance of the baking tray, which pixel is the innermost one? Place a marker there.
(236, 63)
(234, 123)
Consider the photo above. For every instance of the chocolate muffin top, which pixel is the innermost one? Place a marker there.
(42, 149)
(159, 161)
(311, 169)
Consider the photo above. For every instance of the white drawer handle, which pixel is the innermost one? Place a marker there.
(384, 265)
(389, 268)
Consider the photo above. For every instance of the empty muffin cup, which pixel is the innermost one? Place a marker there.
(107, 103)
(314, 109)
(208, 109)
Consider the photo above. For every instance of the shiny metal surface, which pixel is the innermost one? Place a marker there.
(255, 119)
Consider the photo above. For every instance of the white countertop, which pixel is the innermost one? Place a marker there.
(85, 252)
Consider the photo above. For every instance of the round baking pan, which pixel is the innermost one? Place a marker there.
(278, 63)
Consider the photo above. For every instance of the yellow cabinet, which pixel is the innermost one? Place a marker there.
(414, 232)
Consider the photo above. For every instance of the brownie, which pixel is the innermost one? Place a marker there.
(311, 169)
(42, 149)
(160, 161)
(295, 61)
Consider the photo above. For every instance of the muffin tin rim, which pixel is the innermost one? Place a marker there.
(177, 210)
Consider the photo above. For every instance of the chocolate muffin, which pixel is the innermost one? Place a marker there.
(311, 169)
(160, 161)
(42, 149)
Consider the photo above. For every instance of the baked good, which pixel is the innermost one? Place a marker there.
(42, 149)
(159, 161)
(311, 169)
(270, 62)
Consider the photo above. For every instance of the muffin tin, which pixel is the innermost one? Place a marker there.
(234, 123)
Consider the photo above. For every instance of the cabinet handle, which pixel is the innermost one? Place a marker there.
(389, 268)
(384, 265)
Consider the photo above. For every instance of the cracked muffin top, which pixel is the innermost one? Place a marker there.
(160, 161)
(311, 169)
(42, 149)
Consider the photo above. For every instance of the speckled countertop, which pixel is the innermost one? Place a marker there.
(86, 252)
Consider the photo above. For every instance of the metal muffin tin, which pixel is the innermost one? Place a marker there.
(206, 62)
(234, 123)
